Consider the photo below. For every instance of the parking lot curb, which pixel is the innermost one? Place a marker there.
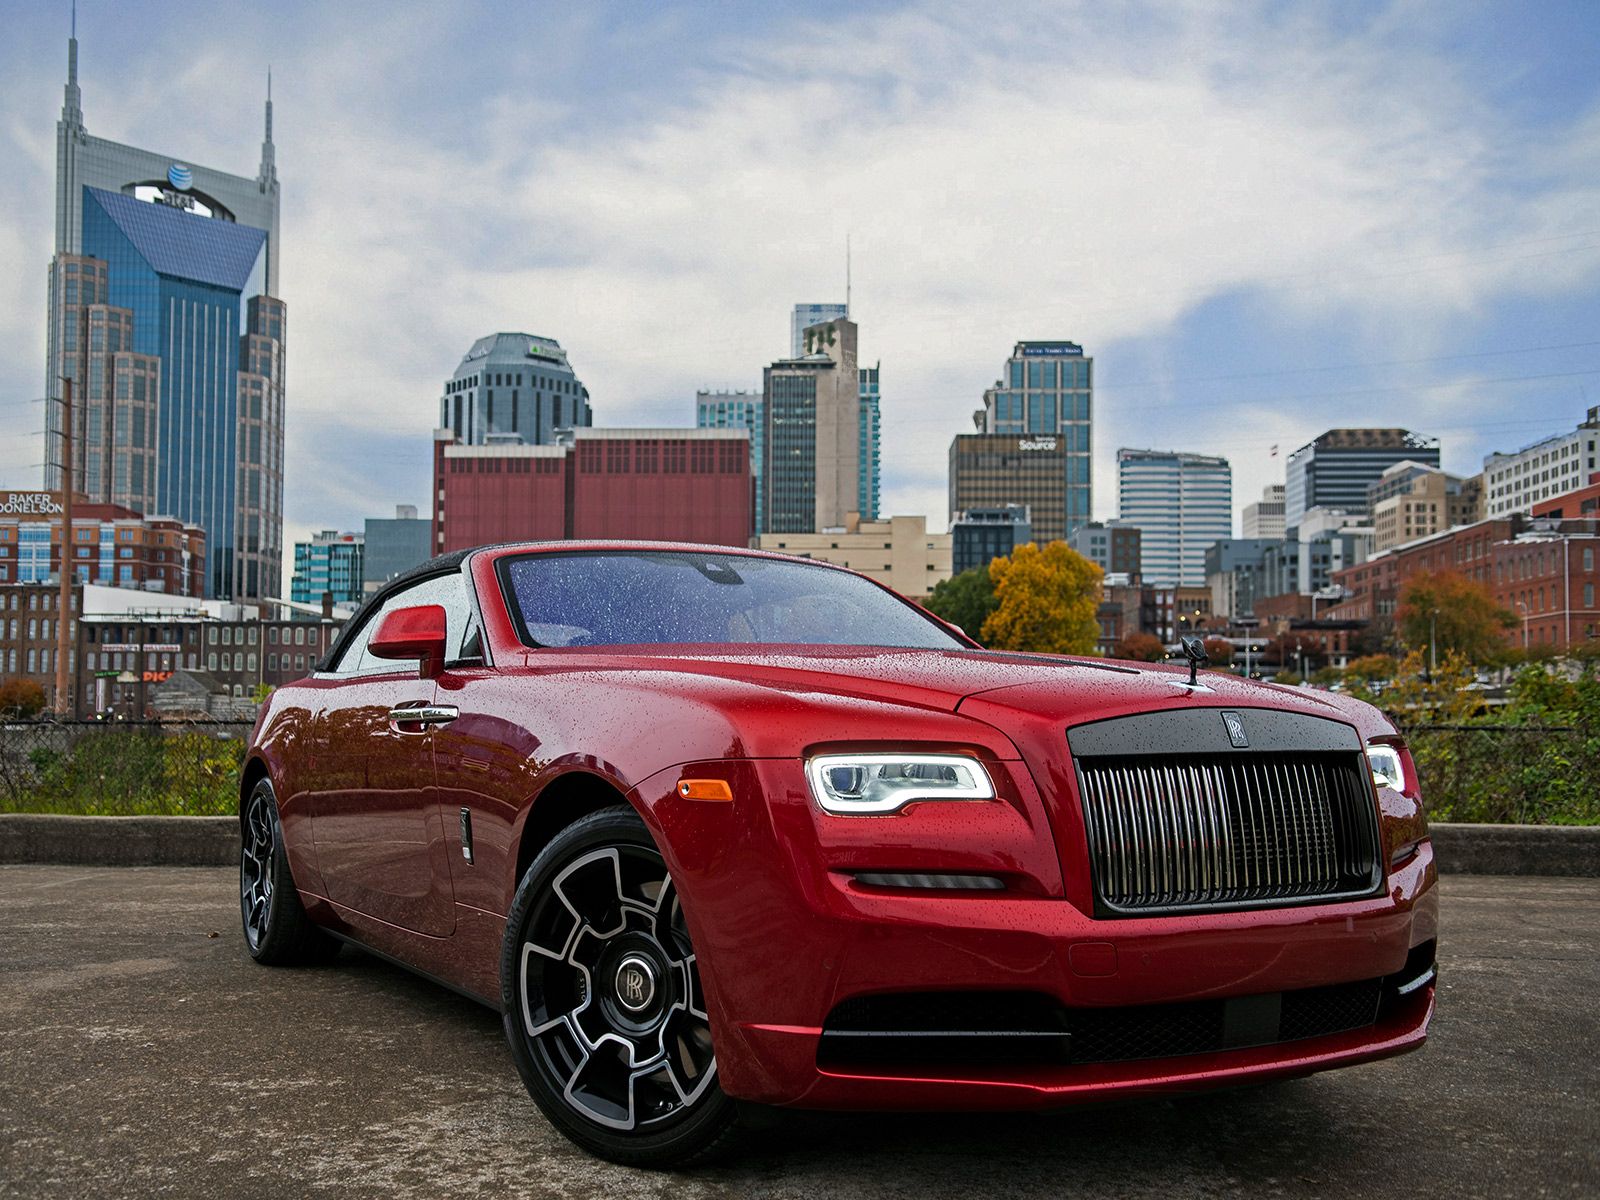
(1517, 849)
(119, 841)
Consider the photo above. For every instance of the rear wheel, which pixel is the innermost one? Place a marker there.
(602, 999)
(277, 930)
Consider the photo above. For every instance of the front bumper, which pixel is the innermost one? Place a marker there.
(785, 936)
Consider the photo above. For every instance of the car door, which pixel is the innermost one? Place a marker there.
(375, 817)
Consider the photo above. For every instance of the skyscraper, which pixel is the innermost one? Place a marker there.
(743, 410)
(513, 387)
(1000, 470)
(1334, 470)
(868, 470)
(806, 315)
(1181, 504)
(164, 314)
(1047, 389)
(811, 427)
(869, 473)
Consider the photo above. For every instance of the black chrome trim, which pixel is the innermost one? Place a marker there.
(924, 881)
(1202, 731)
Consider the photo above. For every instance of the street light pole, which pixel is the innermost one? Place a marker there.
(1433, 640)
(64, 691)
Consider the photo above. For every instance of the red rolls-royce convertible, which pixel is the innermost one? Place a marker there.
(710, 825)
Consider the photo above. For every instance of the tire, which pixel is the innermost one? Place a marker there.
(277, 930)
(601, 995)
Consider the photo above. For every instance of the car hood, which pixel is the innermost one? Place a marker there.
(1046, 685)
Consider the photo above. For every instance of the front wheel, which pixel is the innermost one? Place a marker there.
(602, 1000)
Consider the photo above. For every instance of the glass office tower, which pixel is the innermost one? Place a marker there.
(869, 481)
(164, 317)
(1181, 504)
(1046, 394)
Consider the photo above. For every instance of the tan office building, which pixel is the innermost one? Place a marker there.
(898, 551)
(1431, 502)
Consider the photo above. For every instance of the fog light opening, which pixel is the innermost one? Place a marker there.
(926, 882)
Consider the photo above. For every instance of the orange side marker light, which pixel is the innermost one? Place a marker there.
(705, 789)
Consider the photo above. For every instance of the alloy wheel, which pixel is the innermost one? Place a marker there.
(610, 992)
(256, 862)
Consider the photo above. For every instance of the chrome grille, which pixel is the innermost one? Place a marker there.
(1228, 830)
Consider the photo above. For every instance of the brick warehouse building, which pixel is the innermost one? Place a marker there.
(683, 485)
(1546, 571)
(128, 644)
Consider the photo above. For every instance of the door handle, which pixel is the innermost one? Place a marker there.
(419, 718)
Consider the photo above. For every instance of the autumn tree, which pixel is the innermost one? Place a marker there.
(1219, 650)
(1417, 695)
(1371, 666)
(1451, 613)
(1140, 647)
(1047, 601)
(966, 600)
(21, 698)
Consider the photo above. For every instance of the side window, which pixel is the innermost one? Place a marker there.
(448, 591)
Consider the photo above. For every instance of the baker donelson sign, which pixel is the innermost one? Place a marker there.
(29, 504)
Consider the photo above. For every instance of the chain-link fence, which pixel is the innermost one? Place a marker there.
(122, 768)
(1520, 774)
(1516, 774)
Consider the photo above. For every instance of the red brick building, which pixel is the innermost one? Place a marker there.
(1580, 502)
(1549, 580)
(111, 545)
(683, 485)
(1542, 569)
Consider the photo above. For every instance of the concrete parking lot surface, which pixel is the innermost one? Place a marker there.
(143, 1054)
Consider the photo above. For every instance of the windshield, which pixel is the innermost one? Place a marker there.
(620, 598)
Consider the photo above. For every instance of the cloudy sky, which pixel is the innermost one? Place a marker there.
(1261, 221)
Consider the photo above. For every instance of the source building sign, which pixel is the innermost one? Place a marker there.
(30, 504)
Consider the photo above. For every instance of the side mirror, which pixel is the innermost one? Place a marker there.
(417, 632)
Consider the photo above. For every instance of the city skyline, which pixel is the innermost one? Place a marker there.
(1369, 218)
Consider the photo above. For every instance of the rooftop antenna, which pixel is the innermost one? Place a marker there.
(847, 276)
(72, 105)
(268, 174)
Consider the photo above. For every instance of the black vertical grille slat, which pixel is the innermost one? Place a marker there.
(1219, 830)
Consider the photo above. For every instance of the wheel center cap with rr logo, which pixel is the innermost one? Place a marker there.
(635, 983)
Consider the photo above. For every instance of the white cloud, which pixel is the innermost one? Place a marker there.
(1055, 173)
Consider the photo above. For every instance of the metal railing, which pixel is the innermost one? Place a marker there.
(122, 768)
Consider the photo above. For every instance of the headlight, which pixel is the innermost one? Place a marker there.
(873, 784)
(1388, 768)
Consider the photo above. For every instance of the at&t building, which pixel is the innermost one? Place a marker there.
(164, 314)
